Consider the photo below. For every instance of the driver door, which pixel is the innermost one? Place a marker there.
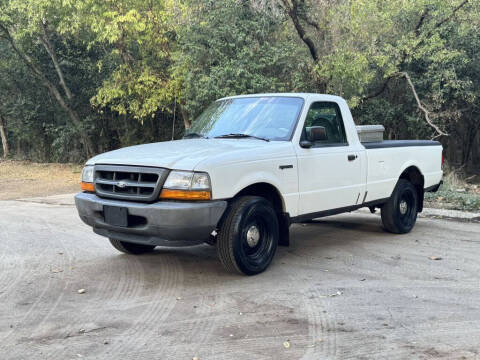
(330, 169)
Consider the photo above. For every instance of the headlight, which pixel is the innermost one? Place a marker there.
(181, 180)
(201, 181)
(87, 179)
(87, 174)
(187, 185)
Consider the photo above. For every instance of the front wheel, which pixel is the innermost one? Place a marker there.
(399, 214)
(131, 248)
(248, 236)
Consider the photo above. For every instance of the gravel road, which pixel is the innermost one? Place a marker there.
(344, 289)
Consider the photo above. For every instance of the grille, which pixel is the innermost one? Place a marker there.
(129, 182)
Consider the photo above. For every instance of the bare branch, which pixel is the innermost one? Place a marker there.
(421, 106)
(45, 39)
(312, 23)
(25, 58)
(292, 11)
(421, 22)
(378, 92)
(439, 24)
(454, 12)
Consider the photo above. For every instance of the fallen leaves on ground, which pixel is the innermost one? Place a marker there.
(338, 293)
(315, 343)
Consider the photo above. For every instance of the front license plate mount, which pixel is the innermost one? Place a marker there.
(115, 215)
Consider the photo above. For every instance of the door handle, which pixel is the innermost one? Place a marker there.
(352, 157)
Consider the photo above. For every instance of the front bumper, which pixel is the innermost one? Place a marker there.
(164, 223)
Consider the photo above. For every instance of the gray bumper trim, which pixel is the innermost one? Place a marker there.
(168, 223)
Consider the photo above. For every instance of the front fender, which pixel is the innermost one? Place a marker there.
(229, 180)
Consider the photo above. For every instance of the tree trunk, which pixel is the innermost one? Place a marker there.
(186, 120)
(293, 13)
(45, 39)
(87, 143)
(3, 136)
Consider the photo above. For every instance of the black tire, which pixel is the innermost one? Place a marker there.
(255, 216)
(399, 213)
(131, 248)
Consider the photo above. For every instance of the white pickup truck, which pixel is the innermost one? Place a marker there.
(248, 168)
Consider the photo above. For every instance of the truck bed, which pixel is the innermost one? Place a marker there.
(388, 159)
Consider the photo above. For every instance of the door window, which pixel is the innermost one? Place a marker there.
(324, 125)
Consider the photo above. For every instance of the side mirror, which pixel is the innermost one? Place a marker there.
(306, 144)
(317, 133)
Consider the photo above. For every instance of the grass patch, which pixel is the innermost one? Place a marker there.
(455, 193)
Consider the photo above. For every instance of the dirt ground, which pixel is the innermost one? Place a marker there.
(344, 289)
(22, 179)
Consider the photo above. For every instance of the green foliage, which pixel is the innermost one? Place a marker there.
(130, 63)
(231, 48)
(349, 73)
(141, 37)
(452, 199)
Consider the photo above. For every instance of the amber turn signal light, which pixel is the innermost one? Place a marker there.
(168, 194)
(90, 187)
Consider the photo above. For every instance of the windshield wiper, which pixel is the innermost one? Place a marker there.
(226, 136)
(194, 135)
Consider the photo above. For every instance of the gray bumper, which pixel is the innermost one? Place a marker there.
(166, 223)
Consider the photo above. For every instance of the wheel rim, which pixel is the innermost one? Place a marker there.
(407, 208)
(253, 236)
(256, 240)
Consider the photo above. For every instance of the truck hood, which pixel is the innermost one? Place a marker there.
(185, 154)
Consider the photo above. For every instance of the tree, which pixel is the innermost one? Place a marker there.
(142, 37)
(375, 44)
(28, 21)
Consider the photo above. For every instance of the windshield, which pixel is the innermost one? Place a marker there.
(272, 118)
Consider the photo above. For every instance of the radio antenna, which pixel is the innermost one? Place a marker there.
(174, 113)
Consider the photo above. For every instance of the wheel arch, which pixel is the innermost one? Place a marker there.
(266, 190)
(272, 194)
(413, 174)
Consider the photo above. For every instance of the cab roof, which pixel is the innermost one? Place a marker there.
(304, 96)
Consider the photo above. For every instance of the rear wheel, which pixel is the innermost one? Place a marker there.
(131, 248)
(248, 236)
(399, 214)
